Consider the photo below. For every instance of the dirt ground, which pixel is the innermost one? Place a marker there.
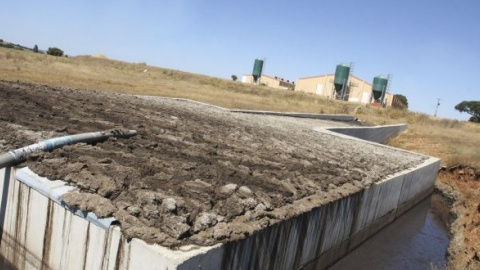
(460, 185)
(194, 174)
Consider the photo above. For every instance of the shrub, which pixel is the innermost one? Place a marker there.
(54, 51)
(402, 98)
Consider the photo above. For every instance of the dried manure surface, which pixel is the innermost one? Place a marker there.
(194, 174)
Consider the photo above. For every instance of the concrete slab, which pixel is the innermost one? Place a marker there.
(332, 117)
(378, 134)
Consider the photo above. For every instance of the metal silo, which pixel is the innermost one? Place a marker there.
(379, 88)
(257, 69)
(341, 79)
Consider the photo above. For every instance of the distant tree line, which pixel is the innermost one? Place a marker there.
(7, 45)
(54, 51)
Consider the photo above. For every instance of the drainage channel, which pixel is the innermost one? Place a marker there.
(416, 240)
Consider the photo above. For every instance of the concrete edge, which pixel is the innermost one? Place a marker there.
(54, 189)
(348, 137)
(378, 134)
(334, 117)
(366, 127)
(429, 161)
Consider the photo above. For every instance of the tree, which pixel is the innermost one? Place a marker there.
(474, 119)
(35, 48)
(234, 77)
(402, 98)
(54, 51)
(470, 107)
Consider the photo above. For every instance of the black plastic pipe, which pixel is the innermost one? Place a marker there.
(18, 155)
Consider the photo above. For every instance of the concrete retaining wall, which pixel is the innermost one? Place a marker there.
(40, 232)
(378, 134)
(333, 117)
(316, 239)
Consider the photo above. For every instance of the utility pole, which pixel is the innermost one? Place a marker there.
(436, 107)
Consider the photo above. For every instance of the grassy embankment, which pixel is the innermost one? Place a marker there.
(453, 141)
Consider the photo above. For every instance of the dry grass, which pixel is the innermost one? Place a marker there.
(453, 141)
(117, 76)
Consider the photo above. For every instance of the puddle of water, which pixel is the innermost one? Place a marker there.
(416, 240)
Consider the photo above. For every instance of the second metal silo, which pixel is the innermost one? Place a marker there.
(257, 69)
(379, 88)
(342, 72)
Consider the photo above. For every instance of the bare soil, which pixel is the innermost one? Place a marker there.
(460, 185)
(194, 174)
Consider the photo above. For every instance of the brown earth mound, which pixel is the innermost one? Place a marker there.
(193, 174)
(461, 186)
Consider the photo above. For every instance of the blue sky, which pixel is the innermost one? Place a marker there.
(432, 48)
